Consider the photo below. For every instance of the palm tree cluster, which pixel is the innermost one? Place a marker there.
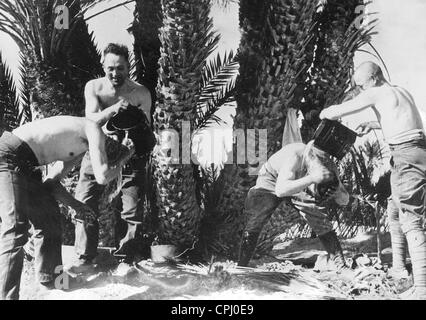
(55, 63)
(292, 54)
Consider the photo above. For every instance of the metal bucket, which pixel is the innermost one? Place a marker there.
(163, 252)
(334, 138)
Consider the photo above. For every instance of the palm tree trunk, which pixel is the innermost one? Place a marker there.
(186, 40)
(145, 28)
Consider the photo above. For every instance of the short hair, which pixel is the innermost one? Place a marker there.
(117, 49)
(312, 152)
(370, 70)
(314, 157)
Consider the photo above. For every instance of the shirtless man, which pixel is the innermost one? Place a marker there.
(25, 198)
(403, 130)
(309, 177)
(105, 97)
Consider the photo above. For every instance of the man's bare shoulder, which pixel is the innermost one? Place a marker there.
(96, 84)
(295, 149)
(383, 91)
(384, 94)
(138, 89)
(290, 152)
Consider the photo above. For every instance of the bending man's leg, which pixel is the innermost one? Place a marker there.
(13, 233)
(47, 236)
(317, 219)
(259, 206)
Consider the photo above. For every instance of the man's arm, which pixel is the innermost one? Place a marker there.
(338, 194)
(145, 101)
(362, 101)
(341, 196)
(102, 170)
(93, 108)
(287, 185)
(53, 184)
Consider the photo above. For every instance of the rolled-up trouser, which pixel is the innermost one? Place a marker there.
(408, 182)
(399, 243)
(128, 230)
(261, 203)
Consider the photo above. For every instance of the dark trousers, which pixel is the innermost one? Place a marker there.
(132, 200)
(261, 203)
(23, 200)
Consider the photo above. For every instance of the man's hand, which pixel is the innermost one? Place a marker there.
(366, 127)
(84, 213)
(324, 114)
(121, 105)
(128, 143)
(331, 191)
(321, 175)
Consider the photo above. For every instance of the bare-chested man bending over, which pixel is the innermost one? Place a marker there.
(307, 177)
(403, 130)
(24, 197)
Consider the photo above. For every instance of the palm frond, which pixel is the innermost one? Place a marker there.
(25, 92)
(103, 11)
(9, 103)
(206, 111)
(217, 73)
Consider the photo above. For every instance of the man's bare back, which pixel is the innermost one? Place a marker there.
(290, 156)
(60, 138)
(66, 139)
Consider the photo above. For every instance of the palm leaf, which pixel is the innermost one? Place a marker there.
(217, 73)
(217, 88)
(9, 103)
(25, 92)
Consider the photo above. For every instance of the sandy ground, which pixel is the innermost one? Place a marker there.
(288, 273)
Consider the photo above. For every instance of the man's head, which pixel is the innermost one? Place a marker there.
(315, 156)
(368, 75)
(116, 64)
(316, 159)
